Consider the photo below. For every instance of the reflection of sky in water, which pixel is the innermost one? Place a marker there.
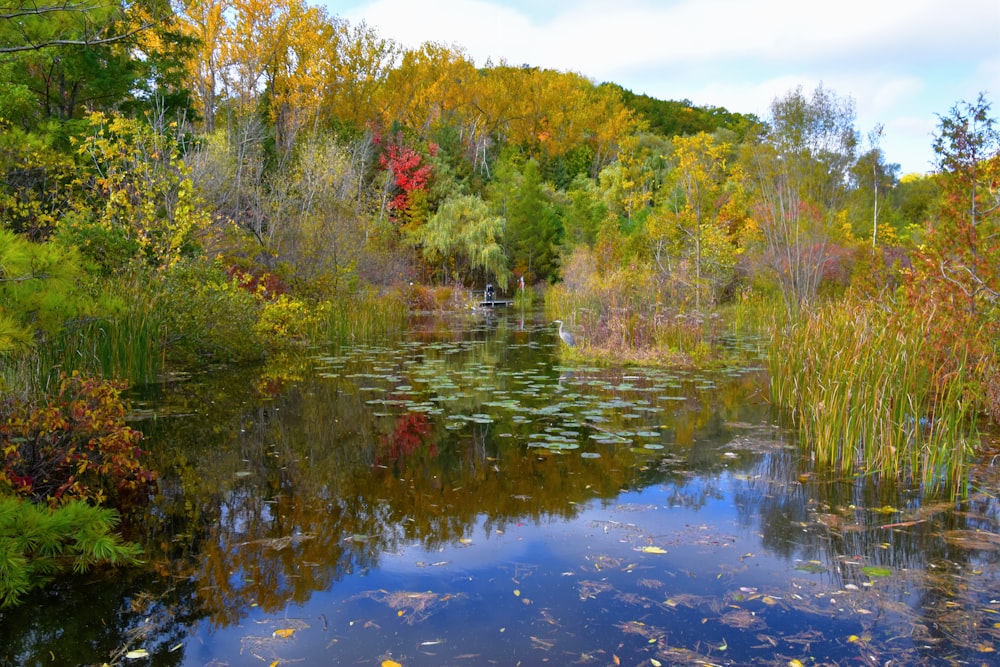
(524, 592)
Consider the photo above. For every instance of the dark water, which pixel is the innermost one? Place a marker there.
(467, 496)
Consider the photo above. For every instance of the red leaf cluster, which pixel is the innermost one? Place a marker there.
(410, 172)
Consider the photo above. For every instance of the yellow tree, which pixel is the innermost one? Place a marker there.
(297, 73)
(430, 85)
(353, 92)
(205, 21)
(689, 236)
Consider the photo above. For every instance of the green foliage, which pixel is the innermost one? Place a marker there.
(205, 314)
(368, 316)
(124, 338)
(75, 447)
(464, 238)
(38, 180)
(142, 202)
(533, 231)
(38, 543)
(583, 215)
(671, 118)
(38, 290)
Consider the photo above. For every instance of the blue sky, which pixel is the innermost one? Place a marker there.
(901, 61)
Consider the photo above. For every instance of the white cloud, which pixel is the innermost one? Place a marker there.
(897, 58)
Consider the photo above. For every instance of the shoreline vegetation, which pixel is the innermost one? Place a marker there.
(158, 221)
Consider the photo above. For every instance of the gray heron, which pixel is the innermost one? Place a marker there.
(566, 336)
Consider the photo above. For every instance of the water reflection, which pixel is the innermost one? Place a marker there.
(466, 496)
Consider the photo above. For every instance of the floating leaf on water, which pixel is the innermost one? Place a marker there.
(590, 455)
(243, 473)
(283, 633)
(652, 446)
(391, 663)
(812, 567)
(653, 550)
(875, 571)
(136, 654)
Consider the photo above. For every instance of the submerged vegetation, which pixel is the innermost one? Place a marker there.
(249, 183)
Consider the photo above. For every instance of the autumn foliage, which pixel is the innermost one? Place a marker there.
(76, 446)
(410, 173)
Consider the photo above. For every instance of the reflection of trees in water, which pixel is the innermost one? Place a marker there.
(265, 501)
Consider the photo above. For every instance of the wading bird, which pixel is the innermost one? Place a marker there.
(566, 336)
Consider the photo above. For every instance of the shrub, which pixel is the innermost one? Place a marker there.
(205, 313)
(77, 447)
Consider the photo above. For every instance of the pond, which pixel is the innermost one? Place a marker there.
(468, 496)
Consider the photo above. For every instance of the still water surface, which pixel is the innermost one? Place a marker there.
(467, 496)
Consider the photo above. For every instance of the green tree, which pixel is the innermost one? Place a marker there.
(534, 231)
(38, 290)
(37, 543)
(466, 240)
(83, 56)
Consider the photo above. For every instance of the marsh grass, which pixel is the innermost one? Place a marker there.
(122, 339)
(127, 346)
(366, 317)
(865, 397)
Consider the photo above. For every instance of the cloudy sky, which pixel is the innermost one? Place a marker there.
(902, 61)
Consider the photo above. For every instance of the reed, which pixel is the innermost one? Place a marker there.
(366, 316)
(865, 398)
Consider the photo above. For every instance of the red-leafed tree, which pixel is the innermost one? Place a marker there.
(410, 172)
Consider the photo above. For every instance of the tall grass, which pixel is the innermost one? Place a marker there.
(624, 317)
(123, 340)
(866, 398)
(365, 317)
(127, 346)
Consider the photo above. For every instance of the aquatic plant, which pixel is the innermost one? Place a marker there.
(864, 397)
(366, 316)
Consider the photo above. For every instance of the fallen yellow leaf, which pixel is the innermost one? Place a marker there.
(653, 550)
(283, 633)
(137, 653)
(390, 663)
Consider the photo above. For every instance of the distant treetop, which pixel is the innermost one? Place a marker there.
(671, 118)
